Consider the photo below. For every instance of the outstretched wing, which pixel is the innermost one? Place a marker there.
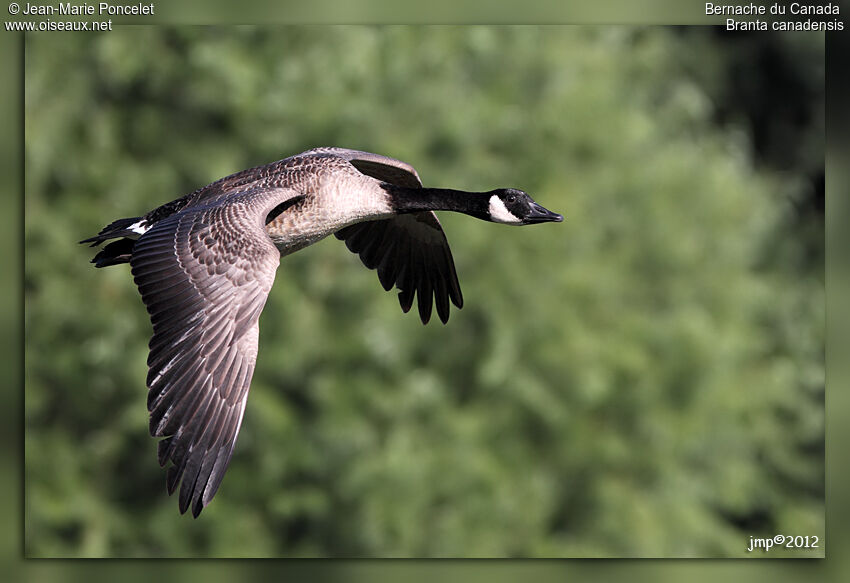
(204, 274)
(409, 251)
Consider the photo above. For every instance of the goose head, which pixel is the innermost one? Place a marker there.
(515, 207)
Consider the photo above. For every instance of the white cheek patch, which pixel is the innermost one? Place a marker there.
(499, 213)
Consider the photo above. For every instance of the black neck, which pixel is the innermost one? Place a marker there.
(413, 200)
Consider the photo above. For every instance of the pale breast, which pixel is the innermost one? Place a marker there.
(335, 197)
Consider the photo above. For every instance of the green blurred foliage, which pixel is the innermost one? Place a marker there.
(644, 379)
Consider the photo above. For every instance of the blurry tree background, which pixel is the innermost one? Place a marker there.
(644, 379)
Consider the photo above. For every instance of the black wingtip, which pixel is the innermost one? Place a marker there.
(405, 299)
(197, 507)
(457, 297)
(425, 308)
(171, 481)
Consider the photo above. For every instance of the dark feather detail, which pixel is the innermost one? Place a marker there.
(273, 214)
(116, 252)
(377, 166)
(403, 176)
(411, 252)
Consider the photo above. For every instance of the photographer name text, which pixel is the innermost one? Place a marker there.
(99, 9)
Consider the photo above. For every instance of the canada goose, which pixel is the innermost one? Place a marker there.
(205, 263)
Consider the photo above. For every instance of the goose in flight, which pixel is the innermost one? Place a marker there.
(205, 263)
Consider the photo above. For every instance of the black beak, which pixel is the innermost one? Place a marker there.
(538, 214)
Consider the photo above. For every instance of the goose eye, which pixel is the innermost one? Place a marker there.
(511, 198)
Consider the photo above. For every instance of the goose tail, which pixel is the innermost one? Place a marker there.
(126, 231)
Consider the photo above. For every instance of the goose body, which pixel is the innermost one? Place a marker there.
(205, 263)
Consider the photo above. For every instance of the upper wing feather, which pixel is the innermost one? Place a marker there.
(204, 274)
(377, 166)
